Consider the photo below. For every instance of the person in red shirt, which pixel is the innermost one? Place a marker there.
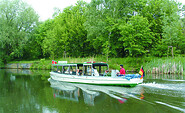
(122, 71)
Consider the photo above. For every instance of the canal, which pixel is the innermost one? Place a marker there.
(25, 91)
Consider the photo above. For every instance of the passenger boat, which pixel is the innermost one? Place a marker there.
(91, 73)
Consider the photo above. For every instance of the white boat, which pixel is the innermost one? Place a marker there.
(91, 73)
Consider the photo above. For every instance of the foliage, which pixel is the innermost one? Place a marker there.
(17, 22)
(106, 28)
(137, 36)
(68, 35)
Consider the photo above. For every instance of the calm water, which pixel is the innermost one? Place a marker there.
(23, 91)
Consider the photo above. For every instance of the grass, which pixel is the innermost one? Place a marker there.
(172, 65)
(129, 63)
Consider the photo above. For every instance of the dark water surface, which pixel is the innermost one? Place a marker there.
(23, 91)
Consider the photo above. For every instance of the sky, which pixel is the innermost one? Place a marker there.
(45, 8)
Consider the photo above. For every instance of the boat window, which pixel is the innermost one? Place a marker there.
(73, 70)
(66, 70)
(101, 69)
(87, 70)
(79, 70)
(54, 69)
(59, 70)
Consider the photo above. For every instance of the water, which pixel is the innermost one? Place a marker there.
(24, 91)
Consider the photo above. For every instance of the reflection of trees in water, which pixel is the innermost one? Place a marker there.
(20, 93)
(165, 76)
(28, 72)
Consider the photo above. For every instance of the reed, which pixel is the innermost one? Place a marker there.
(166, 65)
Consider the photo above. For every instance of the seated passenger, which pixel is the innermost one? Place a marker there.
(95, 72)
(58, 71)
(74, 72)
(105, 73)
(78, 72)
(122, 71)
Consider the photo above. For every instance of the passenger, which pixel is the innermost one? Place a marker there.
(74, 72)
(95, 72)
(105, 73)
(78, 72)
(122, 71)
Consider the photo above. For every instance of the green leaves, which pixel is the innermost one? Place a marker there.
(110, 28)
(17, 22)
(136, 35)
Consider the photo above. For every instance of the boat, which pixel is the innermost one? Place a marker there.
(91, 73)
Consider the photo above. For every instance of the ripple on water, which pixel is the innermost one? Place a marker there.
(176, 90)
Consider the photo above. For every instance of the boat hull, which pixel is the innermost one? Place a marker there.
(100, 80)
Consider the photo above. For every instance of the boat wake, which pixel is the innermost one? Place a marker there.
(174, 107)
(180, 87)
(174, 80)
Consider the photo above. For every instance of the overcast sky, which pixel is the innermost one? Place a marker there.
(45, 8)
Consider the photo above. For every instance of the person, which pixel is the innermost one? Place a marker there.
(122, 71)
(105, 73)
(95, 72)
(78, 72)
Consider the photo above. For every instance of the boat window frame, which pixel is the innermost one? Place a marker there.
(84, 69)
(100, 67)
(66, 65)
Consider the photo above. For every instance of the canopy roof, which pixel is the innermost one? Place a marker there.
(81, 64)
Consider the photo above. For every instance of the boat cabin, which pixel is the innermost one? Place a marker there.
(81, 69)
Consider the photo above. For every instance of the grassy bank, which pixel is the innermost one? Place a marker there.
(150, 64)
(129, 63)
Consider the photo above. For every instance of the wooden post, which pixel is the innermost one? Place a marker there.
(171, 51)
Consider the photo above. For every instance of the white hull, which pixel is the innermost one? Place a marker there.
(99, 80)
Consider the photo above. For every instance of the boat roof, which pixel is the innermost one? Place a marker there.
(80, 64)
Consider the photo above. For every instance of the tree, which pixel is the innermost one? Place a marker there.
(136, 35)
(17, 22)
(68, 35)
(164, 23)
(102, 25)
(34, 47)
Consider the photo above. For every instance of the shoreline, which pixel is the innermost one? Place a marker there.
(35, 66)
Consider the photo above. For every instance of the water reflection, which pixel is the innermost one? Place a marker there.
(28, 72)
(71, 91)
(165, 76)
(63, 93)
(20, 93)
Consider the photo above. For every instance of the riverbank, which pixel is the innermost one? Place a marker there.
(153, 65)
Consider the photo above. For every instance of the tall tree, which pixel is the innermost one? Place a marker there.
(102, 25)
(164, 23)
(68, 36)
(136, 36)
(17, 22)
